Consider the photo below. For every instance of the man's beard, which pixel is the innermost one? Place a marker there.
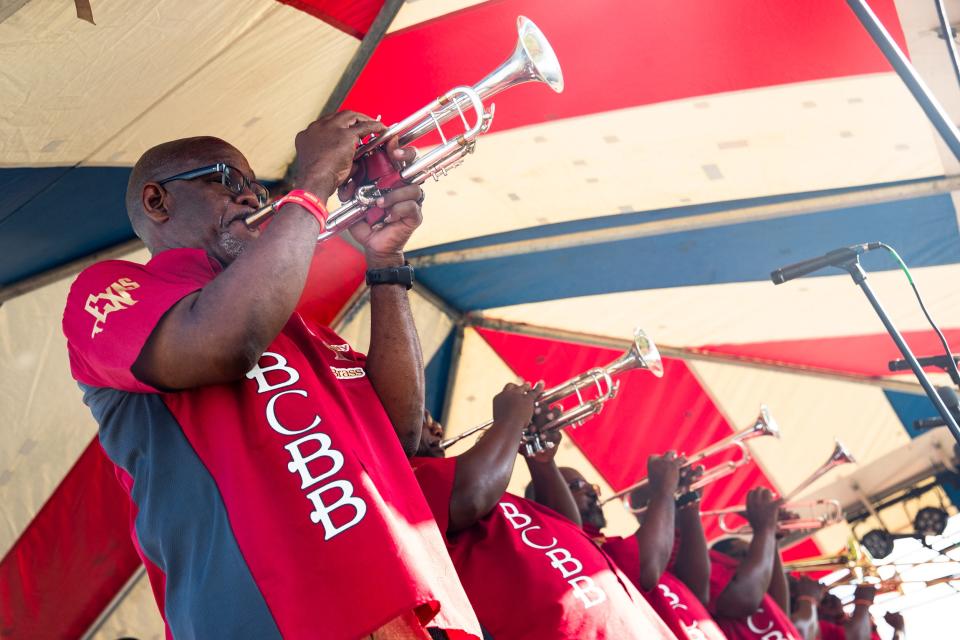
(594, 516)
(426, 450)
(232, 247)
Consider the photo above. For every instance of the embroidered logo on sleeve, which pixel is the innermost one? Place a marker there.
(114, 298)
(342, 352)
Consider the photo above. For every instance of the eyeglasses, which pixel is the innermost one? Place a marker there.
(582, 485)
(230, 177)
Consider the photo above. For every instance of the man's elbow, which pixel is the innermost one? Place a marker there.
(737, 604)
(650, 574)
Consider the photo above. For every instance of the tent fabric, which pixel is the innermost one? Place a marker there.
(694, 149)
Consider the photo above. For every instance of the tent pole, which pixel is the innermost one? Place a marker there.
(948, 37)
(921, 93)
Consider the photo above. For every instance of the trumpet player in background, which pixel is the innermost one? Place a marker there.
(749, 594)
(666, 558)
(834, 622)
(530, 571)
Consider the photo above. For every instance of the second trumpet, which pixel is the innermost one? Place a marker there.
(643, 354)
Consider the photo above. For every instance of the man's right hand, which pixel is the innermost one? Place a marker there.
(514, 405)
(325, 150)
(663, 472)
(810, 588)
(763, 509)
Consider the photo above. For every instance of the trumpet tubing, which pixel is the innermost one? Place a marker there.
(533, 60)
(823, 513)
(764, 425)
(643, 354)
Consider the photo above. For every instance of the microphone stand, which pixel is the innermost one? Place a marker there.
(860, 279)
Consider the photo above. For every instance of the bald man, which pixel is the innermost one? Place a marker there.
(265, 459)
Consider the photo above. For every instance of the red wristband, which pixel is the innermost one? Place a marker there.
(309, 202)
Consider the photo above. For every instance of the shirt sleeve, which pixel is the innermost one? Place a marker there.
(112, 309)
(436, 477)
(722, 570)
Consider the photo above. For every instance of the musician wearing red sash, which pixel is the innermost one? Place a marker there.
(749, 595)
(834, 622)
(265, 459)
(666, 558)
(530, 571)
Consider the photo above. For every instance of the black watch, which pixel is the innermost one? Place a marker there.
(391, 275)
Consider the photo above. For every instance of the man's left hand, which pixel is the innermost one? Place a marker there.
(551, 440)
(384, 241)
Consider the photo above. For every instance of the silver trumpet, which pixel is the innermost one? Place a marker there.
(643, 354)
(841, 455)
(764, 425)
(823, 513)
(533, 60)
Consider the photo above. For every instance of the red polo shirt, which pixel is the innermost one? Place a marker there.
(278, 505)
(532, 574)
(671, 599)
(768, 622)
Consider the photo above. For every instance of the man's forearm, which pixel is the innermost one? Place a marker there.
(693, 558)
(394, 359)
(655, 538)
(779, 588)
(745, 592)
(551, 489)
(858, 626)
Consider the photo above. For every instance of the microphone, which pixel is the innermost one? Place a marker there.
(928, 423)
(950, 399)
(831, 259)
(941, 361)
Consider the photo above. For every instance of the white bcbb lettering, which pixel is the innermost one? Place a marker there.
(587, 591)
(321, 513)
(299, 462)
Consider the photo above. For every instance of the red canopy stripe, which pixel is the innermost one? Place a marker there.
(618, 54)
(350, 16)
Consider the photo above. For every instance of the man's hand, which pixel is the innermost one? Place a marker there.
(689, 475)
(811, 589)
(514, 405)
(762, 509)
(663, 472)
(865, 592)
(325, 150)
(785, 515)
(895, 620)
(551, 440)
(385, 240)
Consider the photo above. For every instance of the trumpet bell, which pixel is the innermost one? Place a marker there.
(765, 424)
(533, 60)
(542, 62)
(646, 353)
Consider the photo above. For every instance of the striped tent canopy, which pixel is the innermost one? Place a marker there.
(696, 147)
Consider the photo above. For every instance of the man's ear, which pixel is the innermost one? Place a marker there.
(154, 199)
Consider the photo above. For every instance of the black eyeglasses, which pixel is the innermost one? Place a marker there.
(230, 177)
(582, 485)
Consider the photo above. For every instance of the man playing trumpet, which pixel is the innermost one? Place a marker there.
(749, 595)
(666, 558)
(265, 460)
(529, 570)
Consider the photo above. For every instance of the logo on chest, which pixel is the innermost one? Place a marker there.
(342, 352)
